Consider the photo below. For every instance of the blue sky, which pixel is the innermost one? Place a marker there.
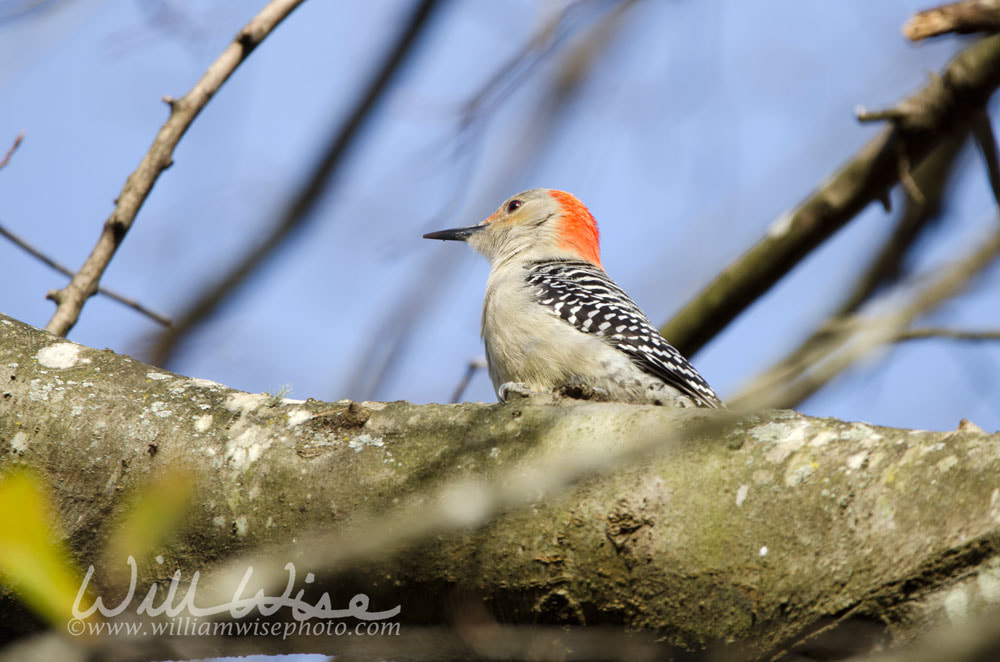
(698, 125)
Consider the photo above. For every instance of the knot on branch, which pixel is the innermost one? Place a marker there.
(622, 524)
(248, 40)
(117, 228)
(924, 111)
(355, 415)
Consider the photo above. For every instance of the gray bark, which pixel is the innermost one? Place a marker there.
(773, 534)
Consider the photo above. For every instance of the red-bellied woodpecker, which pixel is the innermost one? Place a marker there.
(552, 317)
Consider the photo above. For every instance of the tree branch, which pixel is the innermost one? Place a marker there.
(963, 17)
(13, 148)
(71, 299)
(474, 366)
(944, 107)
(952, 334)
(703, 521)
(982, 130)
(933, 178)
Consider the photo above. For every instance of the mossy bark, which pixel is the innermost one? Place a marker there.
(765, 534)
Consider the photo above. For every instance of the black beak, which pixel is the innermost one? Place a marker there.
(456, 234)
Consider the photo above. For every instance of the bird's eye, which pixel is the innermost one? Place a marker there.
(513, 205)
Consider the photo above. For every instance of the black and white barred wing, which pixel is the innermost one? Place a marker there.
(583, 295)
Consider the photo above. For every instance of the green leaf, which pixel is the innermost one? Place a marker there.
(156, 511)
(34, 561)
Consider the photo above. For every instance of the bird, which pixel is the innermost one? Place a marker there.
(554, 320)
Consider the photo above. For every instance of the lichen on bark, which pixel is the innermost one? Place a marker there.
(758, 534)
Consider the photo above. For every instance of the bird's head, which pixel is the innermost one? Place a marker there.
(538, 224)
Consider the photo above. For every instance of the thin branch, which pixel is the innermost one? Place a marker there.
(982, 130)
(13, 148)
(964, 17)
(944, 107)
(45, 259)
(475, 365)
(953, 334)
(844, 342)
(71, 299)
(299, 209)
(544, 42)
(933, 178)
(885, 269)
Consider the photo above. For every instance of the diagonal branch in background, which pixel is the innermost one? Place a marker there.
(299, 209)
(887, 268)
(45, 259)
(982, 130)
(964, 17)
(13, 148)
(944, 107)
(475, 365)
(932, 178)
(843, 342)
(71, 299)
(545, 41)
(952, 334)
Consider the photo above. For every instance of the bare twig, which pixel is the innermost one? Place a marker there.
(71, 299)
(298, 210)
(887, 267)
(953, 334)
(963, 17)
(475, 365)
(982, 130)
(42, 257)
(545, 41)
(10, 152)
(944, 107)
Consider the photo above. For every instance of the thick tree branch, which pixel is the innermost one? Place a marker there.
(943, 108)
(760, 535)
(964, 17)
(71, 299)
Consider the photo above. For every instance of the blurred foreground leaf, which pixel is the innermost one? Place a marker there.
(34, 562)
(156, 511)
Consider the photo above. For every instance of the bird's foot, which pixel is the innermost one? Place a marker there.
(581, 391)
(514, 390)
